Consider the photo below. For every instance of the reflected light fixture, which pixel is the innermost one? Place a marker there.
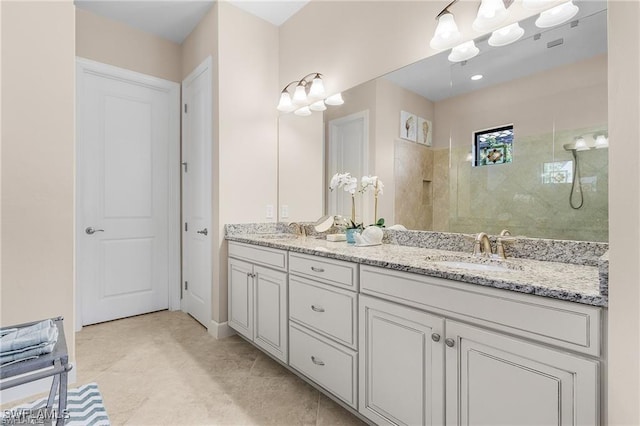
(491, 14)
(447, 34)
(506, 35)
(463, 52)
(580, 144)
(308, 95)
(602, 141)
(557, 15)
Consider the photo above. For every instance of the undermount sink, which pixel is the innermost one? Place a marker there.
(473, 263)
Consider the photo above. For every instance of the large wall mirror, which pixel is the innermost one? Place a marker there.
(524, 147)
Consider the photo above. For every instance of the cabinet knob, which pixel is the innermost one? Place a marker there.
(316, 361)
(435, 337)
(314, 269)
(317, 308)
(450, 342)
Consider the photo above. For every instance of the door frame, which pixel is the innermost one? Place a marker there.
(87, 66)
(205, 66)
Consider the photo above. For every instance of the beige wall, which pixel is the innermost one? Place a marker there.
(38, 163)
(624, 213)
(571, 97)
(114, 43)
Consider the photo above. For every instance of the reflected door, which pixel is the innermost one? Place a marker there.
(348, 152)
(123, 198)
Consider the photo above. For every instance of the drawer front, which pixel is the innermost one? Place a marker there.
(334, 272)
(568, 325)
(264, 256)
(326, 363)
(328, 310)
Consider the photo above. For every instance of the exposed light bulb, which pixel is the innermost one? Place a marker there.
(557, 15)
(285, 104)
(300, 95)
(506, 35)
(463, 52)
(447, 34)
(334, 100)
(303, 112)
(491, 15)
(318, 106)
(316, 91)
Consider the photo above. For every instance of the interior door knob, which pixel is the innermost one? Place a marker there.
(90, 230)
(203, 231)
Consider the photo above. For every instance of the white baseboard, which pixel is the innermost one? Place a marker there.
(33, 388)
(220, 330)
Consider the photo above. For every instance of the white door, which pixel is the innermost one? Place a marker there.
(349, 152)
(197, 238)
(401, 364)
(495, 379)
(127, 202)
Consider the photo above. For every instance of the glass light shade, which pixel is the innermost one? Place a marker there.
(447, 34)
(318, 106)
(581, 144)
(491, 15)
(316, 91)
(334, 100)
(602, 142)
(285, 104)
(300, 95)
(463, 51)
(303, 112)
(536, 4)
(557, 15)
(506, 35)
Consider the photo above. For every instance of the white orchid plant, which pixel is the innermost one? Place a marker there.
(350, 185)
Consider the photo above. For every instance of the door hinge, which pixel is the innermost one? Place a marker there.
(185, 108)
(186, 285)
(186, 227)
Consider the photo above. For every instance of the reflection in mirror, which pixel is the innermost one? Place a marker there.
(551, 86)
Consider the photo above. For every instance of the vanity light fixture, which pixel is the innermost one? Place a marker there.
(447, 34)
(557, 15)
(491, 14)
(308, 95)
(580, 144)
(537, 4)
(602, 141)
(463, 52)
(506, 35)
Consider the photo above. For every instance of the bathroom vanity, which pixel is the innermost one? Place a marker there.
(412, 335)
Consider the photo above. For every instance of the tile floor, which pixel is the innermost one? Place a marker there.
(164, 369)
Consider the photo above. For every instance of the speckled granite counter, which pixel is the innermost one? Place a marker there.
(564, 281)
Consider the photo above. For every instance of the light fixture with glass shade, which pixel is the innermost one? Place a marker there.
(447, 34)
(602, 141)
(308, 95)
(491, 14)
(506, 35)
(463, 52)
(537, 4)
(580, 144)
(557, 15)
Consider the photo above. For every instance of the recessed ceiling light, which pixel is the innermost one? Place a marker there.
(476, 77)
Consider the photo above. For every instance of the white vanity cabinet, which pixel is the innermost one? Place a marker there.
(257, 297)
(323, 321)
(401, 364)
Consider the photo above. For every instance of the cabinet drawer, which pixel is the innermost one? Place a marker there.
(325, 309)
(335, 272)
(264, 256)
(569, 325)
(328, 364)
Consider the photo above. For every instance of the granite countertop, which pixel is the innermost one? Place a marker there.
(563, 281)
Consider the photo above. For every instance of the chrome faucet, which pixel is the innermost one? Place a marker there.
(482, 246)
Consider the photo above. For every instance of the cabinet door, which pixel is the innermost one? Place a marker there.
(493, 379)
(271, 313)
(401, 365)
(241, 297)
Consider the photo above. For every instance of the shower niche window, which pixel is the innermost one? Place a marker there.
(493, 146)
(557, 172)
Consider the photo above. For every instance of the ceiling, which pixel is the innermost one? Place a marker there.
(436, 78)
(175, 19)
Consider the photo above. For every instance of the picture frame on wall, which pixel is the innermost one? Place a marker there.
(425, 132)
(408, 126)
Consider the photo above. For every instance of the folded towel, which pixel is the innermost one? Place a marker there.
(27, 342)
